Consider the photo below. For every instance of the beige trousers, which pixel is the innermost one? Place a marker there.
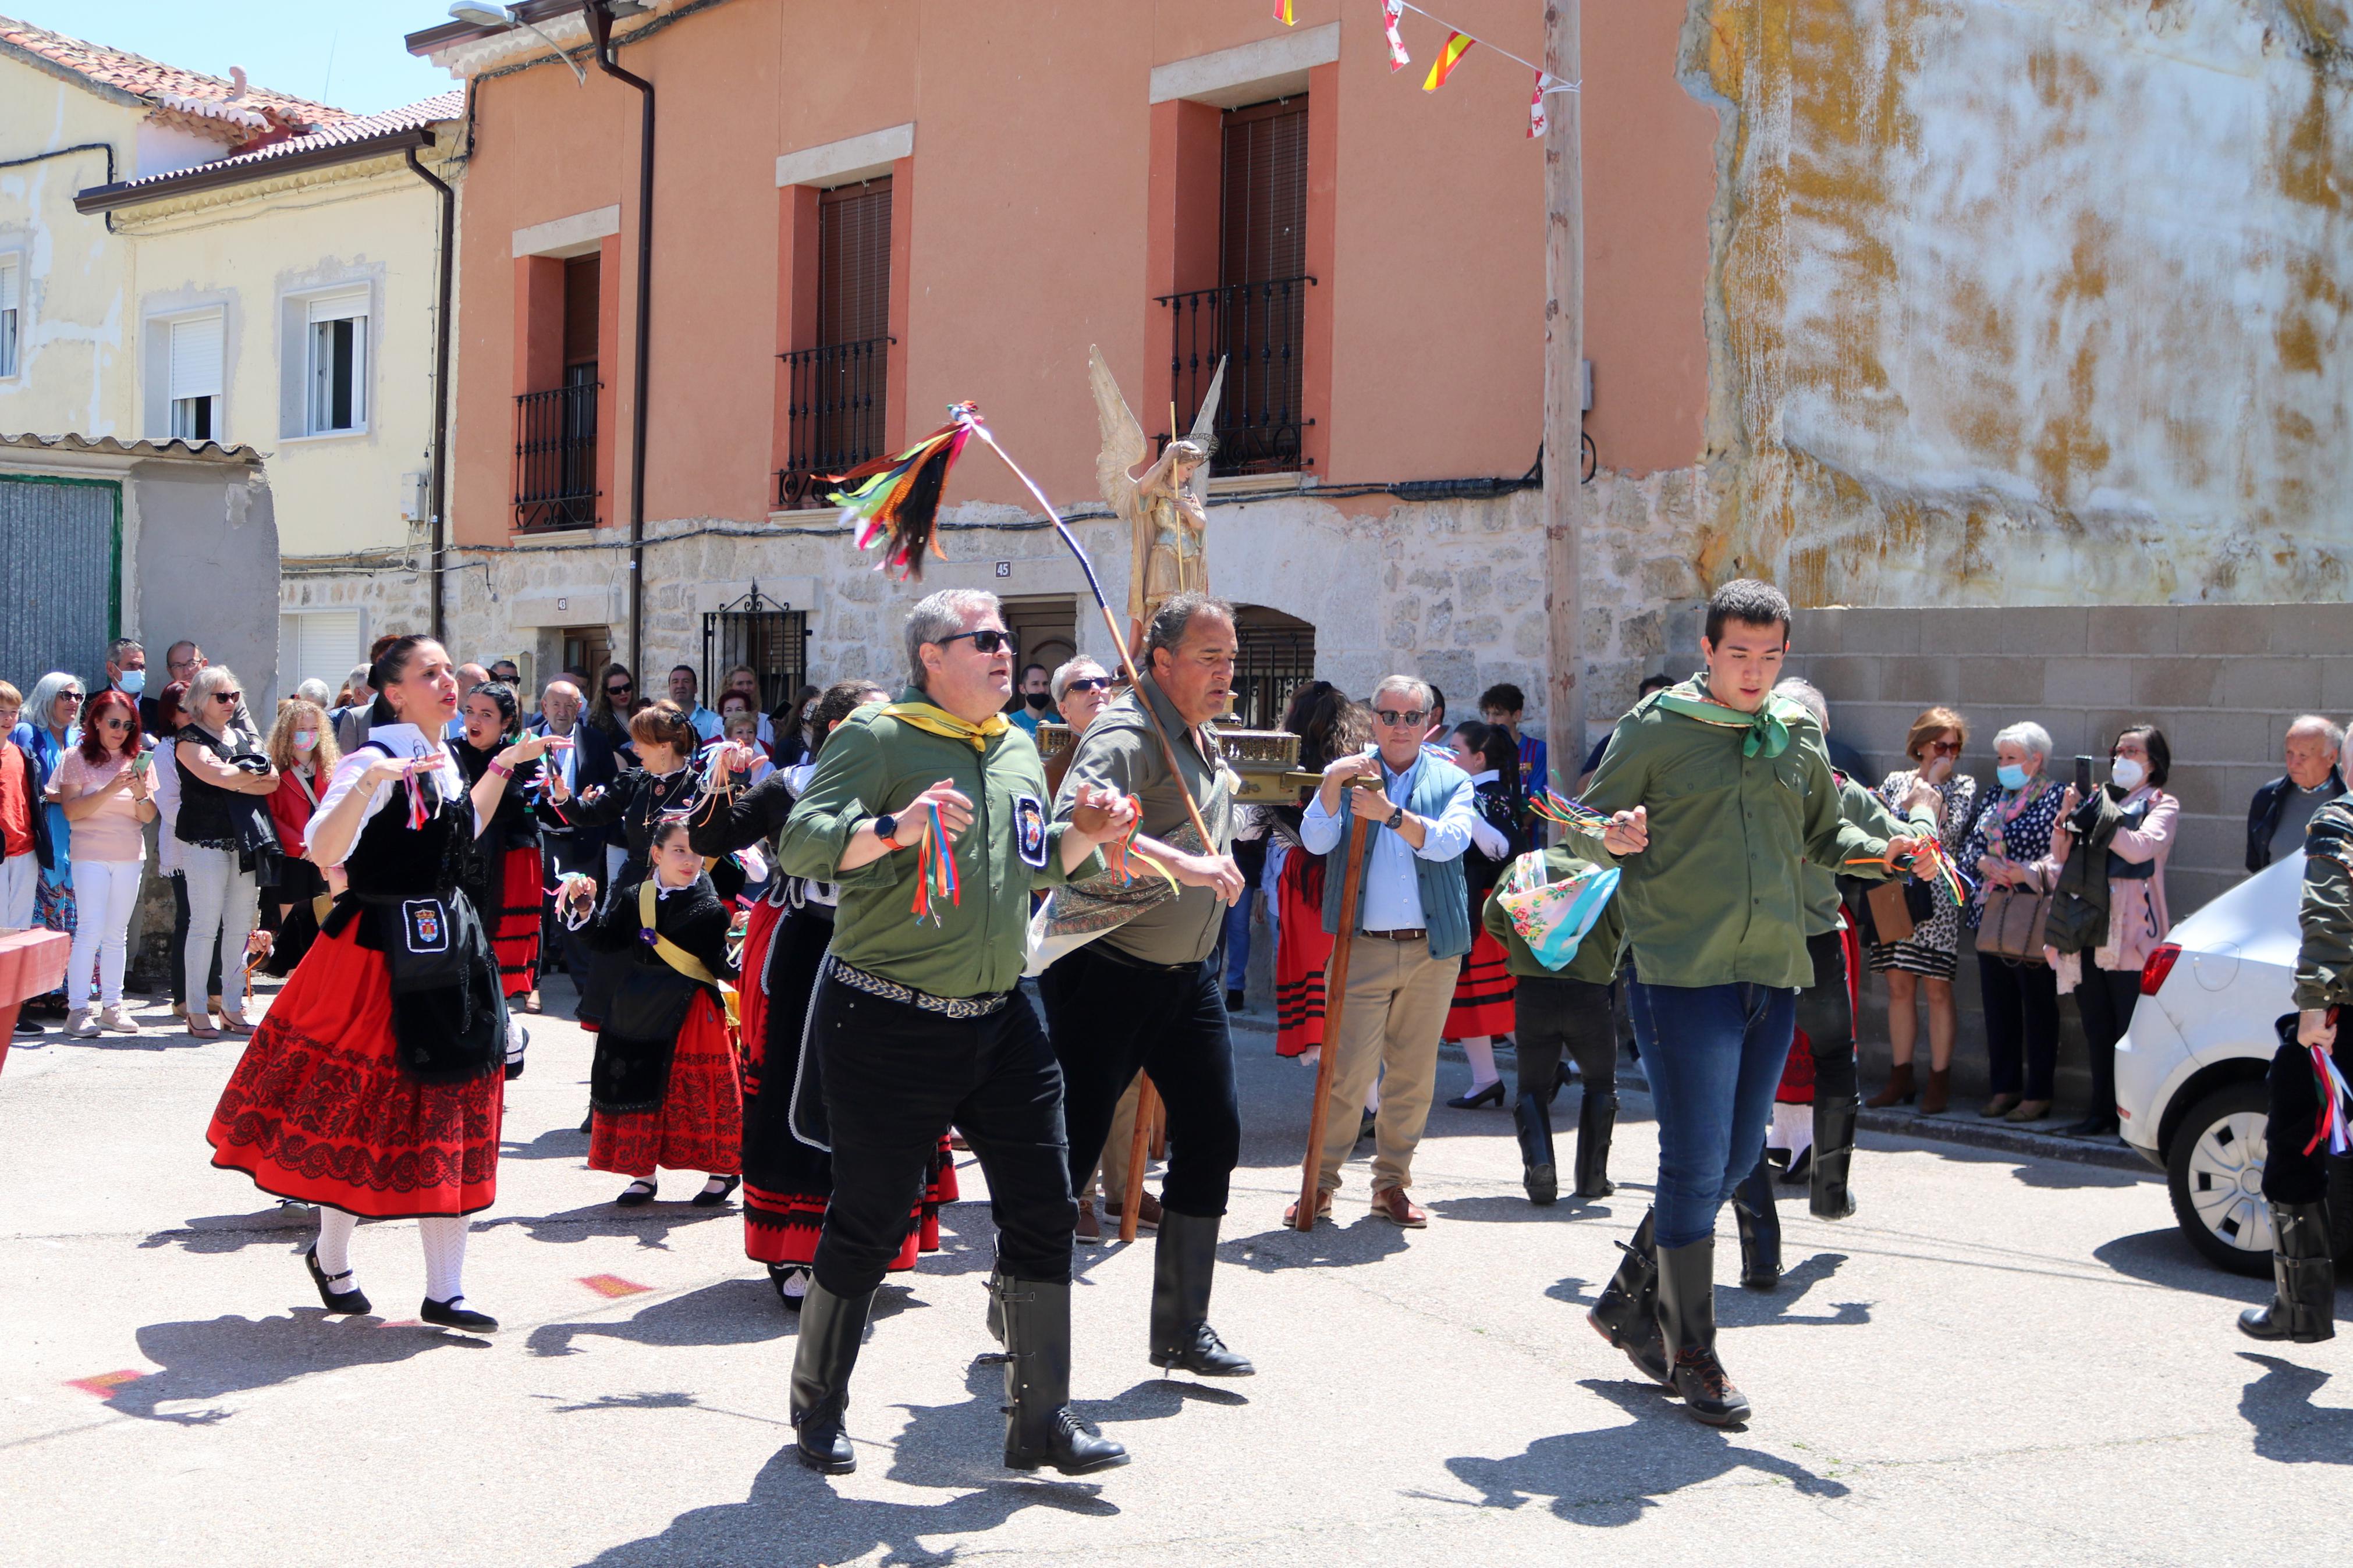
(1397, 1001)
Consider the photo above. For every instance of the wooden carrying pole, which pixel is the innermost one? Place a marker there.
(1564, 437)
(1335, 997)
(1139, 1148)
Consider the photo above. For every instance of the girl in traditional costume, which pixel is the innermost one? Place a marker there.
(372, 1087)
(512, 870)
(663, 1090)
(787, 1181)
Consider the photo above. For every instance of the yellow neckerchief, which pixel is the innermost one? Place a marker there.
(676, 957)
(940, 722)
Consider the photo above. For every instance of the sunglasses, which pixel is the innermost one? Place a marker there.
(1410, 716)
(1945, 748)
(621, 690)
(1089, 683)
(231, 698)
(988, 639)
(110, 723)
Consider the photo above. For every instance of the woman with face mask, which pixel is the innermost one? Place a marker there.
(2010, 836)
(302, 749)
(2106, 989)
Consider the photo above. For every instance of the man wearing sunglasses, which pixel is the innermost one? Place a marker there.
(930, 812)
(1148, 994)
(1412, 926)
(1718, 794)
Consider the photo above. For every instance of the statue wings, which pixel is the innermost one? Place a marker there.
(1123, 445)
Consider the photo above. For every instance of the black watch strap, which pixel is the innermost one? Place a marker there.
(1395, 817)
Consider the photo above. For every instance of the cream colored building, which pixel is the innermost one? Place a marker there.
(186, 258)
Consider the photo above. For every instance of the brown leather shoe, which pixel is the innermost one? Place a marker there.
(1899, 1088)
(1938, 1096)
(1089, 1227)
(1147, 1212)
(1322, 1207)
(1391, 1203)
(2000, 1106)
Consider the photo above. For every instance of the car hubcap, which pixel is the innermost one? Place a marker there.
(2226, 1180)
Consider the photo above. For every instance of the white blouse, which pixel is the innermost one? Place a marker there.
(404, 741)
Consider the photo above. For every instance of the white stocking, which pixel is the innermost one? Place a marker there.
(334, 1244)
(445, 1256)
(1481, 1049)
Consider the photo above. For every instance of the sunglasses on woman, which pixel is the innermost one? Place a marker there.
(231, 698)
(988, 639)
(1945, 748)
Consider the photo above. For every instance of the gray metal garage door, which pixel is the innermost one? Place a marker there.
(60, 576)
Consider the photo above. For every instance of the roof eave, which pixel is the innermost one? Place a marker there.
(66, 73)
(212, 176)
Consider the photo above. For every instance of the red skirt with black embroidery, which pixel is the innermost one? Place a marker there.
(1302, 948)
(319, 1110)
(1483, 992)
(514, 936)
(784, 1226)
(700, 1126)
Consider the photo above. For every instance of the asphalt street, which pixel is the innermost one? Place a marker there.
(2003, 1358)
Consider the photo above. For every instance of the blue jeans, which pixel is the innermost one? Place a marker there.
(1238, 943)
(1714, 1056)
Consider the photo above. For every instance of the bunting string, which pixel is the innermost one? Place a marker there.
(1459, 42)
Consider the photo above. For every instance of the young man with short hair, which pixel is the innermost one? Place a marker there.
(684, 686)
(1037, 701)
(1504, 703)
(1717, 793)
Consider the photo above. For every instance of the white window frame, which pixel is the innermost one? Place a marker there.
(321, 310)
(178, 409)
(12, 314)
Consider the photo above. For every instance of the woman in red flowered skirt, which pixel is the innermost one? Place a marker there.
(514, 936)
(699, 1126)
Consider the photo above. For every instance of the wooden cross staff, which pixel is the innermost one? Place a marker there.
(1335, 997)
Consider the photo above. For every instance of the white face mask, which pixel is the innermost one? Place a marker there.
(2128, 772)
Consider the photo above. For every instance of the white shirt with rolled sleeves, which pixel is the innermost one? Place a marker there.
(1392, 892)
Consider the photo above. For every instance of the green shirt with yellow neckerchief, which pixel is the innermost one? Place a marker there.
(879, 759)
(1737, 804)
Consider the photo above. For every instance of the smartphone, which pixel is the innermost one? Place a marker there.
(2082, 778)
(139, 763)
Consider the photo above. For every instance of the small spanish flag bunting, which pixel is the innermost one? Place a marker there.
(1282, 14)
(1457, 46)
(1392, 13)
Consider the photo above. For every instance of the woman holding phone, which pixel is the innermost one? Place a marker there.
(104, 787)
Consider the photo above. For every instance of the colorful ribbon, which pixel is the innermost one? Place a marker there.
(1564, 811)
(2330, 1123)
(1929, 864)
(936, 868)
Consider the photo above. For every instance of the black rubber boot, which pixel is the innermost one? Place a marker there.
(1627, 1314)
(1531, 1115)
(1039, 1429)
(1184, 1259)
(1596, 1119)
(831, 1328)
(1687, 1325)
(1760, 1229)
(1833, 1156)
(2304, 1279)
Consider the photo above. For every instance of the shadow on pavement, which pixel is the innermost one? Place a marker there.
(1614, 1475)
(1503, 1209)
(555, 1143)
(216, 1232)
(1738, 1309)
(794, 1518)
(650, 1225)
(1368, 1240)
(207, 1359)
(2166, 1257)
(732, 1313)
(2289, 1427)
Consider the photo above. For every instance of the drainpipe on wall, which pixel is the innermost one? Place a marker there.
(441, 382)
(600, 29)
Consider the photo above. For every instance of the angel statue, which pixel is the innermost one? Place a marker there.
(1166, 505)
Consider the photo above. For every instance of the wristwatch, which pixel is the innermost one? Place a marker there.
(1395, 817)
(884, 827)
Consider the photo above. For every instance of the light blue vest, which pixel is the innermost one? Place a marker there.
(1445, 898)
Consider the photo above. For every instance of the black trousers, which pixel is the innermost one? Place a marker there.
(1552, 1013)
(1826, 1013)
(2021, 1022)
(2291, 1175)
(1110, 1017)
(897, 1076)
(2105, 999)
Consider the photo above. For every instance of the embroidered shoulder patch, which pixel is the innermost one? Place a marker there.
(427, 925)
(1029, 829)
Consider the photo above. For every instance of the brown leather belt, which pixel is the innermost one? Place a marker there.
(1414, 934)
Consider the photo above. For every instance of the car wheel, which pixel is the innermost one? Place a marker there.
(2215, 1172)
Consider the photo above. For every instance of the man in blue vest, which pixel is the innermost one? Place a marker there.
(1412, 925)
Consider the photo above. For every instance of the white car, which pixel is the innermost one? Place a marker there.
(2191, 1089)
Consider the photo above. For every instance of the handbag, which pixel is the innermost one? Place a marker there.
(2012, 923)
(1887, 912)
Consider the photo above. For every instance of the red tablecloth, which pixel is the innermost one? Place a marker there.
(32, 962)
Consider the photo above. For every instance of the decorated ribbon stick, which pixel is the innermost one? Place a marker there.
(418, 815)
(1930, 865)
(1562, 811)
(2330, 1124)
(576, 911)
(899, 497)
(935, 871)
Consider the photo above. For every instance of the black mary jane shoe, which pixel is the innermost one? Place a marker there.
(707, 1199)
(637, 1195)
(783, 1274)
(1491, 1095)
(350, 1302)
(448, 1314)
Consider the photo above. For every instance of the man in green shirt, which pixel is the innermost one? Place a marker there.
(931, 815)
(1717, 792)
(1144, 994)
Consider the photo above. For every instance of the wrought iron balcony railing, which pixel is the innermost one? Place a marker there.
(834, 401)
(1258, 328)
(555, 458)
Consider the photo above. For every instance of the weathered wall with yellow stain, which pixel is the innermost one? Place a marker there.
(2038, 301)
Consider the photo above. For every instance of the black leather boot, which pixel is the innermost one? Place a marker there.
(1185, 1258)
(1596, 1119)
(1537, 1171)
(1760, 1229)
(1687, 1325)
(831, 1326)
(2304, 1279)
(1627, 1314)
(1833, 1155)
(1039, 1429)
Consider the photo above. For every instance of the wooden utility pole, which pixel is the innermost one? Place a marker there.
(1563, 425)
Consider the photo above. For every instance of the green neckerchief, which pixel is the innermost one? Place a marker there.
(1768, 731)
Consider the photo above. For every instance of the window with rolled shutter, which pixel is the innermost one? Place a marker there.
(320, 645)
(194, 384)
